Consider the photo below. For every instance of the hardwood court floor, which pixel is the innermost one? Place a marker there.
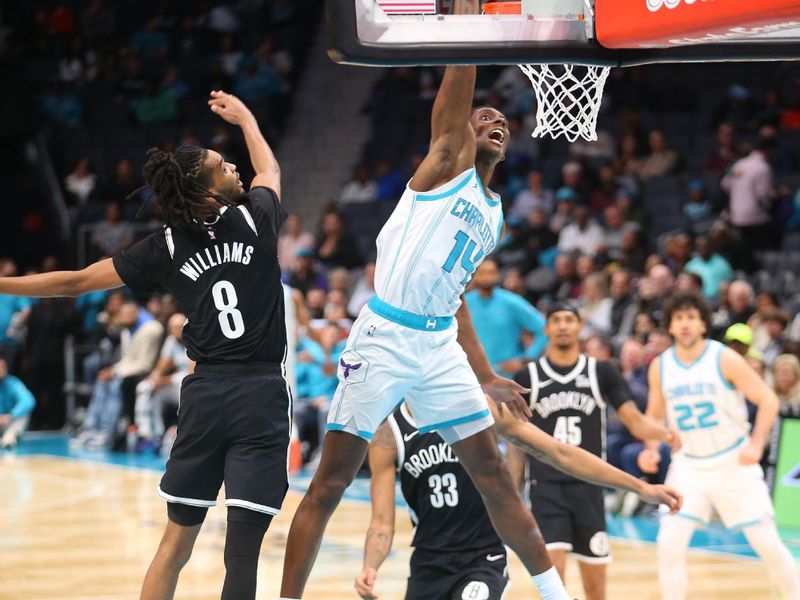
(72, 529)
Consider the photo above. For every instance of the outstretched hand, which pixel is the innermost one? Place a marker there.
(509, 393)
(229, 107)
(661, 494)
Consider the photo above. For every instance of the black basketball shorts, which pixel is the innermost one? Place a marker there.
(571, 517)
(471, 575)
(234, 424)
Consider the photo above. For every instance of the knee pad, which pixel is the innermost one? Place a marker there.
(185, 515)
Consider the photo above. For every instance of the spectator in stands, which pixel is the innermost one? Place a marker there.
(643, 326)
(573, 177)
(566, 198)
(765, 303)
(514, 282)
(630, 158)
(361, 188)
(11, 309)
(155, 105)
(131, 83)
(740, 302)
(605, 195)
(738, 108)
(657, 342)
(533, 196)
(336, 247)
(631, 362)
(623, 307)
(595, 305)
(709, 265)
(775, 321)
(501, 318)
(514, 249)
(786, 383)
(697, 210)
(363, 290)
(150, 42)
(632, 254)
(292, 239)
(677, 251)
(124, 182)
(599, 347)
(615, 228)
(625, 201)
(728, 151)
(749, 184)
(16, 405)
(98, 21)
(160, 390)
(391, 183)
(339, 279)
(256, 83)
(315, 303)
(113, 234)
(567, 285)
(61, 105)
(138, 359)
(662, 160)
(79, 65)
(541, 237)
(317, 365)
(739, 338)
(80, 183)
(582, 235)
(173, 84)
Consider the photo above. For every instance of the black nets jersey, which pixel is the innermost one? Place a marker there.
(569, 403)
(226, 279)
(445, 507)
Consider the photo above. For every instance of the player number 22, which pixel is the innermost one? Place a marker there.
(441, 496)
(568, 431)
(464, 248)
(230, 319)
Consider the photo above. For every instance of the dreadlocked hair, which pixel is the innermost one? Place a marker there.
(180, 184)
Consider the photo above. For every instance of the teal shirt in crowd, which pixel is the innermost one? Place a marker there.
(15, 398)
(714, 271)
(499, 321)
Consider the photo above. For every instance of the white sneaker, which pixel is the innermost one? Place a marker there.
(9, 440)
(630, 504)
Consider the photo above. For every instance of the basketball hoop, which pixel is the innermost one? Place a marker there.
(567, 99)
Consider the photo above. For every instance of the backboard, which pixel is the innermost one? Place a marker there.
(594, 32)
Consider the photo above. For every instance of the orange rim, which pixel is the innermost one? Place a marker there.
(502, 8)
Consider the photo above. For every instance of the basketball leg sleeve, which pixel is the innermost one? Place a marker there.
(673, 539)
(246, 529)
(765, 540)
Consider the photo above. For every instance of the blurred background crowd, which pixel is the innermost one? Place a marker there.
(684, 189)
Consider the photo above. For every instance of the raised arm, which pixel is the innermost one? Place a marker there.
(578, 462)
(452, 147)
(233, 110)
(382, 457)
(736, 370)
(500, 389)
(100, 276)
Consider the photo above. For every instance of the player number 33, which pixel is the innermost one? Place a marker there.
(443, 490)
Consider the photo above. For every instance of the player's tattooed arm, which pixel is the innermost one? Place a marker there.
(578, 462)
(378, 543)
(234, 111)
(99, 276)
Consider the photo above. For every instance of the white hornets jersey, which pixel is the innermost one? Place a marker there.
(433, 242)
(708, 413)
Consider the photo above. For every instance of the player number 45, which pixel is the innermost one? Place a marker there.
(568, 431)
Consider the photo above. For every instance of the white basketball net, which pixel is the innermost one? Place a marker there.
(568, 99)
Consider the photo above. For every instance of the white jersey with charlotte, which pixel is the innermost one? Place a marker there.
(709, 414)
(433, 242)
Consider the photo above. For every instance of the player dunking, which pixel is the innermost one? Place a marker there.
(415, 339)
(700, 386)
(217, 254)
(568, 398)
(457, 553)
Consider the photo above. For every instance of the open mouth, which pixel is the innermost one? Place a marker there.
(498, 136)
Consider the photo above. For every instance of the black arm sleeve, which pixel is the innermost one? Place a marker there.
(145, 266)
(268, 212)
(613, 388)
